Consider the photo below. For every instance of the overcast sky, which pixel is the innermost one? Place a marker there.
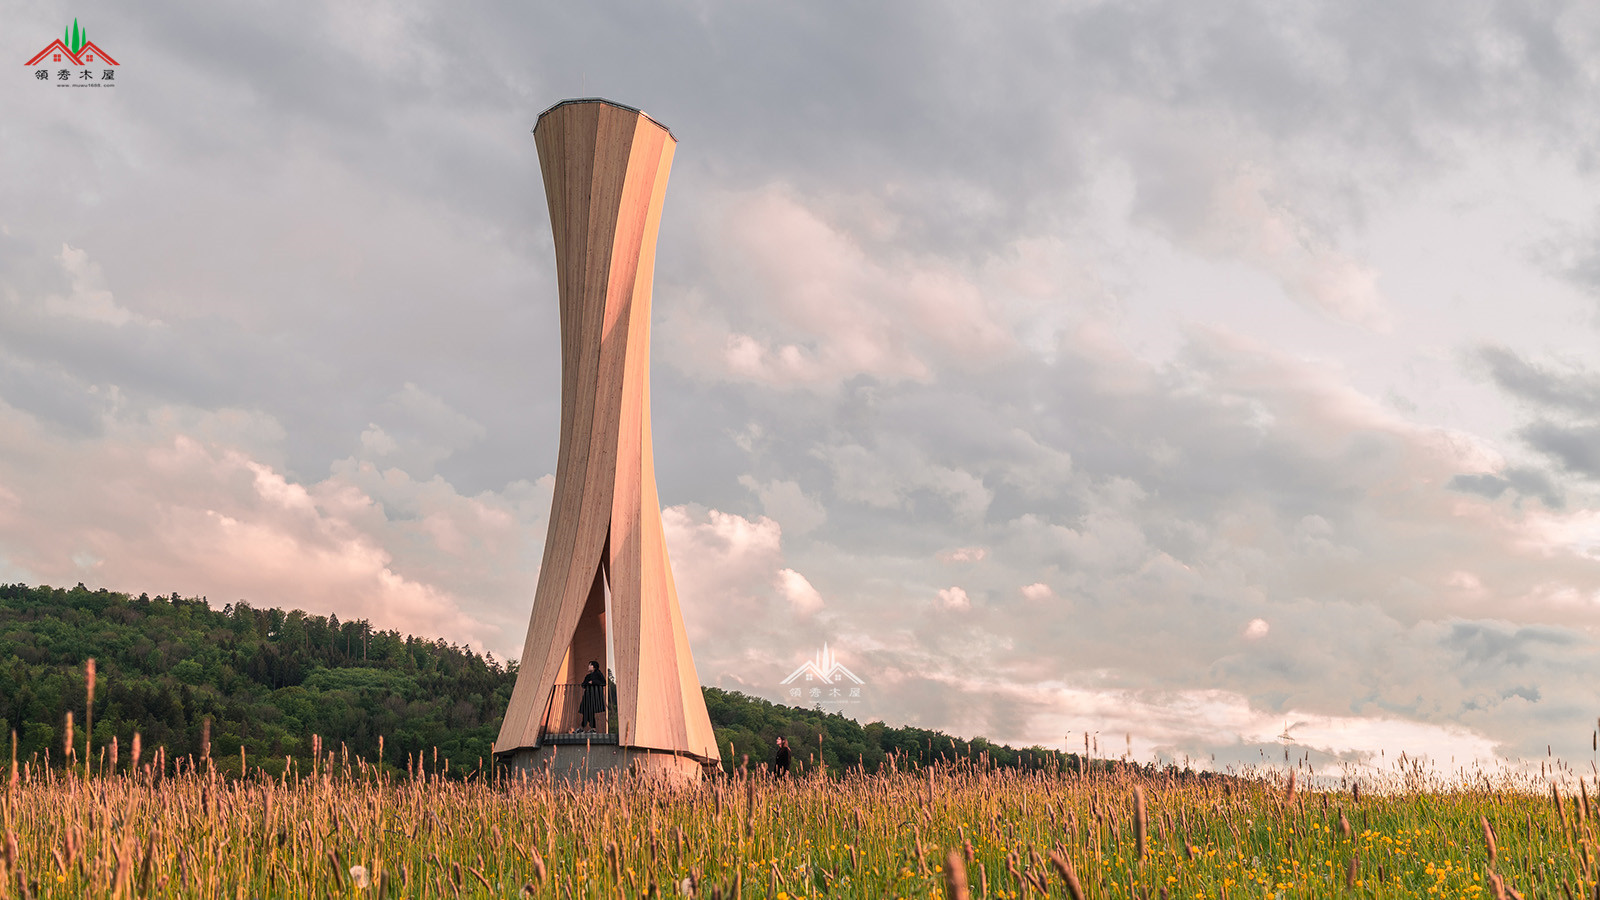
(1179, 371)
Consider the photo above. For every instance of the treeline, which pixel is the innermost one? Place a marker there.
(748, 728)
(179, 672)
(265, 679)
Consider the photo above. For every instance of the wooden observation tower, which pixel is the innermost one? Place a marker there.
(605, 589)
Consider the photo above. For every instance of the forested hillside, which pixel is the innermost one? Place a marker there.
(268, 680)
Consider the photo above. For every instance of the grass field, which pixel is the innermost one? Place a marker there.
(343, 831)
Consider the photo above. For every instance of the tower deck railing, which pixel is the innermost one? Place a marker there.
(563, 723)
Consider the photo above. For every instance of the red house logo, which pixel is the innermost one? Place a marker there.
(73, 49)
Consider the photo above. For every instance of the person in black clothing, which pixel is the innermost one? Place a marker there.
(780, 759)
(594, 697)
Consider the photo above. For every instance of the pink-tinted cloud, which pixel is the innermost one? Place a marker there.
(153, 507)
(829, 309)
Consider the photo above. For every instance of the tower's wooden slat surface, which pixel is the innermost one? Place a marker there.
(605, 173)
(625, 509)
(568, 161)
(567, 195)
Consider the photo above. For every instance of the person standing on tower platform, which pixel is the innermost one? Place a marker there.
(780, 759)
(594, 697)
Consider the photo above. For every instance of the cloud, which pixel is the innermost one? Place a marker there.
(1566, 427)
(1574, 390)
(746, 609)
(831, 309)
(730, 571)
(88, 298)
(1242, 221)
(153, 505)
(1038, 592)
(1576, 448)
(1256, 629)
(889, 476)
(798, 591)
(1289, 499)
(423, 430)
(720, 558)
(788, 503)
(954, 598)
(1525, 481)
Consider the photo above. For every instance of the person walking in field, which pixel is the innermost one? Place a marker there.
(780, 759)
(593, 701)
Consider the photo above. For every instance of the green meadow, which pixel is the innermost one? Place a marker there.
(340, 828)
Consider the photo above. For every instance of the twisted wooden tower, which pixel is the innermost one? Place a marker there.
(605, 176)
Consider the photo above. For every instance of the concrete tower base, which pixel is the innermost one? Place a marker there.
(580, 762)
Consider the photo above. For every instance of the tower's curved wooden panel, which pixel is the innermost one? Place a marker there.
(605, 173)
